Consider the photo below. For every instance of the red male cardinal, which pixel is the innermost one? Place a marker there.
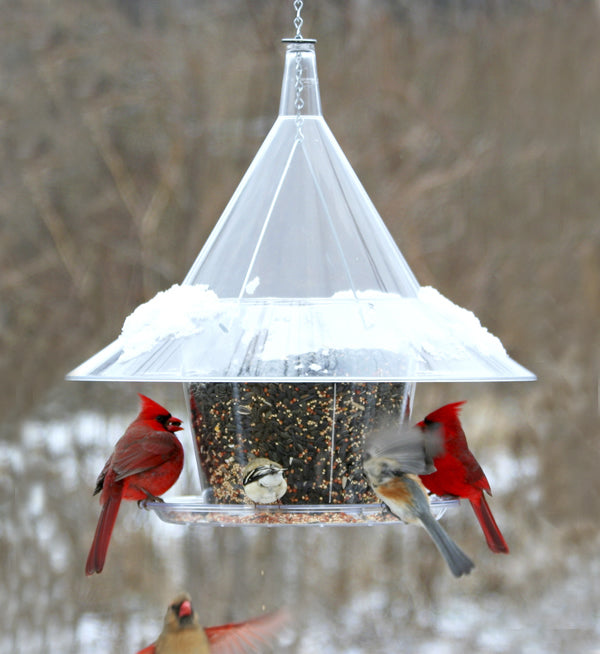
(458, 473)
(145, 463)
(182, 633)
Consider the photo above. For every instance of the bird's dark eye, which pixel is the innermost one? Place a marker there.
(163, 419)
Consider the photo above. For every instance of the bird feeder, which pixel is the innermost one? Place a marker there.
(300, 328)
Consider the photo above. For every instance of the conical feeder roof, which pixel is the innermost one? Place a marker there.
(300, 280)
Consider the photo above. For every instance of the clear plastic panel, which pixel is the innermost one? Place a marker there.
(316, 431)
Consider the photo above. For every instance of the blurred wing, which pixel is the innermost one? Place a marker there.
(412, 449)
(141, 452)
(151, 649)
(433, 442)
(246, 637)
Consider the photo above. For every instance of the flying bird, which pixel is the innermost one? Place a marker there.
(182, 633)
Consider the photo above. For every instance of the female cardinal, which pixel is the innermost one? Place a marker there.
(145, 463)
(182, 633)
(392, 473)
(458, 473)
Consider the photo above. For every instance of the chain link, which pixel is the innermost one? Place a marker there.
(299, 102)
(298, 4)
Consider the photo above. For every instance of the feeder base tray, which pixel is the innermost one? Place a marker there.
(192, 511)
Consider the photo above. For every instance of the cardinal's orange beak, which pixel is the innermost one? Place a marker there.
(174, 424)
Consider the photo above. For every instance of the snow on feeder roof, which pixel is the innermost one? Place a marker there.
(300, 280)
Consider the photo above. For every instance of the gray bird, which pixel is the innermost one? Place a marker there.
(392, 466)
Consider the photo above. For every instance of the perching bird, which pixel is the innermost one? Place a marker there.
(458, 472)
(182, 633)
(263, 481)
(392, 468)
(145, 463)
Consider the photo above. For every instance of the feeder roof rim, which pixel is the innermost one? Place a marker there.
(298, 40)
(221, 379)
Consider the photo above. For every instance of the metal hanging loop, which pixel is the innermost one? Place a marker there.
(298, 4)
(299, 85)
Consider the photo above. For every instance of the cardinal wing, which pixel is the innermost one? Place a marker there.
(143, 451)
(474, 474)
(246, 637)
(151, 649)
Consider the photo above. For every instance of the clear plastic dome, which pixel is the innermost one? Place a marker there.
(301, 281)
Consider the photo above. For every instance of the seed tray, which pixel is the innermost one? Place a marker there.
(193, 511)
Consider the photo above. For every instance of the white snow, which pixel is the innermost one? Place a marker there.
(252, 285)
(429, 323)
(176, 312)
(459, 321)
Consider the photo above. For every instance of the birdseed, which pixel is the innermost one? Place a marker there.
(315, 430)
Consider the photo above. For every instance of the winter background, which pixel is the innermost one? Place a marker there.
(475, 128)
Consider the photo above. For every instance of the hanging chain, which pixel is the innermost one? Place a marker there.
(299, 102)
(298, 4)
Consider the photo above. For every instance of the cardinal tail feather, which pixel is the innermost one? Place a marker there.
(490, 529)
(104, 529)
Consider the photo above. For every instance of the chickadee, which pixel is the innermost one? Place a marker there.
(263, 481)
(183, 634)
(392, 466)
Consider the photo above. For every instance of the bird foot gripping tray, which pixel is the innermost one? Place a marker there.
(301, 329)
